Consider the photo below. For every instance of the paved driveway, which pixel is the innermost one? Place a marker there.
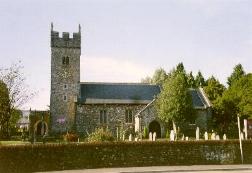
(170, 169)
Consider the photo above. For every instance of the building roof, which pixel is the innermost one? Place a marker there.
(130, 93)
(117, 93)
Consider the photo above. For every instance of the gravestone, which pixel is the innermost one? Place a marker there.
(197, 133)
(217, 137)
(130, 137)
(213, 136)
(150, 136)
(154, 136)
(123, 137)
(224, 137)
(206, 136)
(186, 138)
(183, 137)
(172, 135)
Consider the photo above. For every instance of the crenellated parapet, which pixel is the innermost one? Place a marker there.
(65, 41)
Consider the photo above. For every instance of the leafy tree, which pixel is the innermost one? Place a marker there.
(159, 76)
(237, 99)
(237, 73)
(17, 90)
(147, 80)
(200, 81)
(214, 88)
(4, 108)
(191, 81)
(174, 103)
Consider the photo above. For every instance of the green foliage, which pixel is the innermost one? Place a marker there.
(191, 81)
(237, 73)
(100, 135)
(4, 109)
(159, 76)
(214, 88)
(147, 80)
(167, 135)
(174, 103)
(237, 99)
(145, 132)
(199, 80)
(70, 137)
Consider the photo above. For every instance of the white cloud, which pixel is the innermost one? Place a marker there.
(111, 69)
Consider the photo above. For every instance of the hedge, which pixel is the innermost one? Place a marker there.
(48, 157)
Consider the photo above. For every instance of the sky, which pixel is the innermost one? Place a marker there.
(126, 40)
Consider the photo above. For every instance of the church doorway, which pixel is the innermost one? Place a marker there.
(154, 126)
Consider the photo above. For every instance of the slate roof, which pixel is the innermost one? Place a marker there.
(117, 93)
(130, 93)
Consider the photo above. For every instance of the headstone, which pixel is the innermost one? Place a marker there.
(130, 137)
(224, 137)
(206, 136)
(213, 136)
(123, 137)
(150, 136)
(78, 140)
(217, 137)
(136, 139)
(197, 133)
(154, 136)
(183, 137)
(172, 135)
(186, 138)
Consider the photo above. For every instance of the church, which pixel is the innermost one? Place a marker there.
(119, 107)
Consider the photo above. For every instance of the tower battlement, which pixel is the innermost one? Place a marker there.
(65, 41)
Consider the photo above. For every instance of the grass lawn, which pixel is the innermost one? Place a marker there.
(14, 142)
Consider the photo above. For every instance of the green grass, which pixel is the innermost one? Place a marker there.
(14, 142)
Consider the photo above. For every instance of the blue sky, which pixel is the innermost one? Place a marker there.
(126, 40)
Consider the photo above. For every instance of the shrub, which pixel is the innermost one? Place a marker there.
(100, 135)
(70, 137)
(145, 132)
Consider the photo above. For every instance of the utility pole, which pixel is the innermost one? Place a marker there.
(239, 128)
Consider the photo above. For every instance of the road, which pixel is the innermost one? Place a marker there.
(169, 169)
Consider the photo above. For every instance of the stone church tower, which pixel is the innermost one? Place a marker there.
(65, 79)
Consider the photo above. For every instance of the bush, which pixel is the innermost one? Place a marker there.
(70, 137)
(100, 135)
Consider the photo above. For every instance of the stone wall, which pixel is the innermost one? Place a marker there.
(88, 118)
(120, 154)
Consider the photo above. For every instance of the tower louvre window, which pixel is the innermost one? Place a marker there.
(65, 60)
(65, 98)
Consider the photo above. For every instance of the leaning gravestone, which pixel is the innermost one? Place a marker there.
(206, 136)
(154, 136)
(150, 136)
(213, 136)
(197, 133)
(172, 135)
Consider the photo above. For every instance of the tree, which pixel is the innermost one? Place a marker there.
(174, 103)
(191, 81)
(237, 99)
(159, 76)
(4, 108)
(213, 88)
(17, 90)
(237, 73)
(200, 81)
(147, 80)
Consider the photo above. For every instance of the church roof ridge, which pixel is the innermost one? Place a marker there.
(119, 83)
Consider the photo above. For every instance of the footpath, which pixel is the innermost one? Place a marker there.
(169, 169)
